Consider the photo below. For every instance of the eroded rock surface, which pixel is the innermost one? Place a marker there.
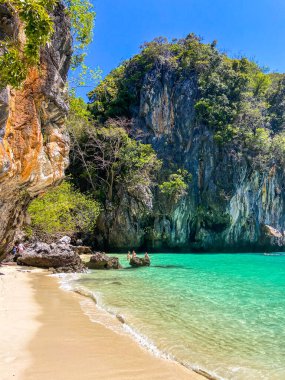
(140, 262)
(102, 261)
(83, 250)
(229, 201)
(59, 256)
(34, 145)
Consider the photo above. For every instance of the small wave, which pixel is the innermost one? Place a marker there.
(66, 280)
(116, 322)
(207, 374)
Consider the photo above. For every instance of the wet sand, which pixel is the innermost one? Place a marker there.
(55, 340)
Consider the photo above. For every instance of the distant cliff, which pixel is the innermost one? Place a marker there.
(34, 145)
(220, 119)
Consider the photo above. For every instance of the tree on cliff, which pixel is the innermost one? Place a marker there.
(37, 22)
(105, 158)
(239, 102)
(63, 210)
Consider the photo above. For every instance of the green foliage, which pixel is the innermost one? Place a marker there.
(38, 27)
(78, 108)
(229, 89)
(276, 102)
(110, 99)
(77, 122)
(176, 186)
(234, 98)
(12, 70)
(82, 17)
(63, 210)
(136, 163)
(120, 90)
(278, 148)
(106, 160)
(259, 140)
(212, 218)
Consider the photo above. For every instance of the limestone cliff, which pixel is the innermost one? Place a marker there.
(231, 205)
(34, 145)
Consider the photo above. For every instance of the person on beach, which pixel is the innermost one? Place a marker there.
(14, 250)
(146, 256)
(129, 256)
(21, 248)
(134, 254)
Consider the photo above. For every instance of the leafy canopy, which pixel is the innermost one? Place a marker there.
(109, 161)
(234, 98)
(36, 16)
(176, 186)
(63, 210)
(38, 28)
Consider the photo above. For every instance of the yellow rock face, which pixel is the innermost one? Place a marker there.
(34, 144)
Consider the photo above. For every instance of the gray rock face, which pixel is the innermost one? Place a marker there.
(60, 257)
(228, 204)
(102, 261)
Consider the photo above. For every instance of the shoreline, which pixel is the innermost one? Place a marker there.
(62, 342)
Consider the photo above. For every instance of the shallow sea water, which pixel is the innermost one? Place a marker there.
(222, 313)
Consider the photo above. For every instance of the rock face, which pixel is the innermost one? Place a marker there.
(60, 257)
(34, 145)
(139, 262)
(83, 250)
(230, 206)
(102, 261)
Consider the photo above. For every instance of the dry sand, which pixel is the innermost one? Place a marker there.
(46, 336)
(18, 321)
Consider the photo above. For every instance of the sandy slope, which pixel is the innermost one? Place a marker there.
(45, 335)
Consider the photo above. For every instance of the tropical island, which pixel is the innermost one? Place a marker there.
(180, 149)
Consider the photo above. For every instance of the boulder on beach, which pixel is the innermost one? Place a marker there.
(83, 250)
(139, 262)
(101, 261)
(59, 256)
(65, 240)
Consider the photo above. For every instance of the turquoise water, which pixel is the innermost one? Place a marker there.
(223, 313)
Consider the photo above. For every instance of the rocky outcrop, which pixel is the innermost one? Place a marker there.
(102, 261)
(58, 256)
(34, 145)
(83, 250)
(139, 262)
(229, 202)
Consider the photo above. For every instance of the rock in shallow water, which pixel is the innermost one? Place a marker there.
(59, 256)
(102, 261)
(139, 262)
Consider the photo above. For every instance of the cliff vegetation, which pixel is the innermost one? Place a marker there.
(184, 148)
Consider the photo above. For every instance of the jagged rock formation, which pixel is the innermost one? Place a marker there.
(236, 200)
(139, 262)
(101, 261)
(231, 205)
(34, 145)
(59, 256)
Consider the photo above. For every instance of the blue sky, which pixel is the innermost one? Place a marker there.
(254, 28)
